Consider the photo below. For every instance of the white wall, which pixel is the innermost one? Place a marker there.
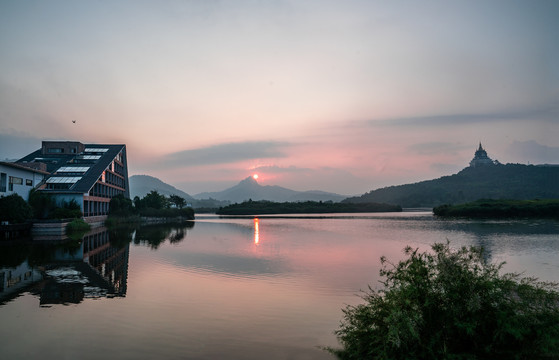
(25, 176)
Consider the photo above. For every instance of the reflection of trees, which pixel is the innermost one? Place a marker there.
(177, 237)
(13, 254)
(155, 235)
(121, 236)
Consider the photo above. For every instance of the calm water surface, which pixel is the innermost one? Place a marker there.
(234, 288)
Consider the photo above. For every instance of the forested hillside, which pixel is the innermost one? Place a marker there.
(511, 181)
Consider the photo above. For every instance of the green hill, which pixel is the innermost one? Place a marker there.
(511, 181)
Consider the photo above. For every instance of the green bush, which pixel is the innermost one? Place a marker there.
(77, 229)
(43, 205)
(121, 206)
(452, 305)
(68, 210)
(14, 209)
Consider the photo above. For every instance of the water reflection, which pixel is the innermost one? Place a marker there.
(236, 288)
(256, 231)
(154, 235)
(65, 271)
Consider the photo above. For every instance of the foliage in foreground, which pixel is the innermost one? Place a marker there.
(546, 208)
(452, 305)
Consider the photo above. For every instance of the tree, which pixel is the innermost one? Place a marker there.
(452, 305)
(42, 204)
(120, 205)
(155, 200)
(177, 201)
(14, 209)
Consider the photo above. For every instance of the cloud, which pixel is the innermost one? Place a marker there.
(548, 113)
(533, 152)
(436, 147)
(274, 169)
(227, 153)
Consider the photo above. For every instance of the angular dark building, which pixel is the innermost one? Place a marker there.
(90, 174)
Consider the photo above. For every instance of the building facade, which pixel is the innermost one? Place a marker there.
(90, 174)
(19, 179)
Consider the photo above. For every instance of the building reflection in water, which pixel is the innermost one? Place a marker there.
(67, 271)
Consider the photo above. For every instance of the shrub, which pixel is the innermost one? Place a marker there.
(68, 210)
(14, 209)
(77, 226)
(43, 205)
(451, 305)
(121, 206)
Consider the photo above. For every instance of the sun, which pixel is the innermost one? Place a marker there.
(255, 176)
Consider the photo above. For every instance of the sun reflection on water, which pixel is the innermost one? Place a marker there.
(256, 231)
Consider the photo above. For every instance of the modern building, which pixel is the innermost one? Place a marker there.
(19, 179)
(481, 158)
(90, 174)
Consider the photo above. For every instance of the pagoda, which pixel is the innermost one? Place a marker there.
(481, 158)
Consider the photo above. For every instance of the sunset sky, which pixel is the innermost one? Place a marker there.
(342, 96)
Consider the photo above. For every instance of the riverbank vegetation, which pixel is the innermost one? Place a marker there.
(547, 208)
(305, 207)
(153, 205)
(451, 304)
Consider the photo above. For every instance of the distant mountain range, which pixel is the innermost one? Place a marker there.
(140, 185)
(249, 188)
(511, 181)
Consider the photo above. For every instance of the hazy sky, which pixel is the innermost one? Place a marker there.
(343, 96)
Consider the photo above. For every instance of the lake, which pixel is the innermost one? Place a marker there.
(234, 288)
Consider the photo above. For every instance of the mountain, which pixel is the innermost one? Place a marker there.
(249, 188)
(140, 185)
(511, 181)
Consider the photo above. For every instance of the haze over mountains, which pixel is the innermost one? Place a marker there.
(140, 185)
(247, 189)
(495, 181)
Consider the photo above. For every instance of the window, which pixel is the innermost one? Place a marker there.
(63, 180)
(2, 182)
(96, 150)
(55, 150)
(28, 182)
(14, 181)
(73, 169)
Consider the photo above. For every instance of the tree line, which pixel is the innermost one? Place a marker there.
(548, 208)
(41, 206)
(304, 207)
(153, 204)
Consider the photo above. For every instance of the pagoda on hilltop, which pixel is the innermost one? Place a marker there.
(481, 158)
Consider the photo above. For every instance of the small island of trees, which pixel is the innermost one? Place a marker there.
(487, 208)
(305, 207)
